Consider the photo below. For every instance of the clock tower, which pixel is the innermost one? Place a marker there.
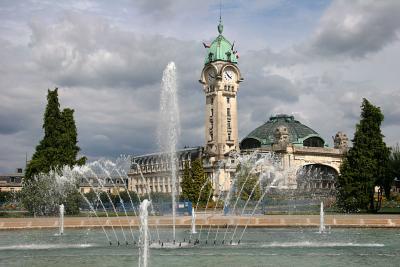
(220, 78)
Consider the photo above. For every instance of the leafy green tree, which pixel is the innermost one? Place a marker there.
(5, 196)
(365, 165)
(249, 181)
(73, 201)
(394, 163)
(91, 196)
(125, 197)
(58, 148)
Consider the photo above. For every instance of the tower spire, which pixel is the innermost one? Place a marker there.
(220, 26)
(220, 11)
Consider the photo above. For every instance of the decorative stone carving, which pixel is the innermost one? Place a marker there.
(281, 135)
(341, 141)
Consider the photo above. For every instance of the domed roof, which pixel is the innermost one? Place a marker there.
(298, 133)
(220, 49)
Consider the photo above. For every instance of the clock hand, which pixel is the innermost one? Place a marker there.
(229, 75)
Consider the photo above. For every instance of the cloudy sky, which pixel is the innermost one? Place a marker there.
(313, 59)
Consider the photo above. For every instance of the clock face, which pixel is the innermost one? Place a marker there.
(229, 75)
(211, 76)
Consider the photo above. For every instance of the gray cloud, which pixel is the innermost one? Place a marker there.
(86, 51)
(356, 28)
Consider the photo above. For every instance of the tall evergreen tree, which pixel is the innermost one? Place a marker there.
(47, 154)
(202, 186)
(365, 164)
(69, 139)
(187, 184)
(57, 149)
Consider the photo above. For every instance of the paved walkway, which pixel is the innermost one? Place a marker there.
(364, 220)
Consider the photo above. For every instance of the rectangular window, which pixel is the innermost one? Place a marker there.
(211, 112)
(228, 112)
(227, 100)
(229, 136)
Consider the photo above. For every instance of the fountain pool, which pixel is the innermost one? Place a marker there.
(260, 247)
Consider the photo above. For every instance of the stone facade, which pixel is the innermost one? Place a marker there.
(152, 172)
(220, 82)
(11, 182)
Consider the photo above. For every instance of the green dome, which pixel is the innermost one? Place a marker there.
(299, 134)
(220, 49)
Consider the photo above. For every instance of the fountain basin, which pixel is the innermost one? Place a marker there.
(260, 247)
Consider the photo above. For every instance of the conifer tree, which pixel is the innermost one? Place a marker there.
(201, 184)
(46, 155)
(69, 139)
(365, 164)
(187, 184)
(57, 149)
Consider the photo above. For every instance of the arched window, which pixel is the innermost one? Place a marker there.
(249, 143)
(313, 142)
(316, 176)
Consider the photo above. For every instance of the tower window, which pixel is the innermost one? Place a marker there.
(212, 100)
(229, 125)
(229, 136)
(225, 87)
(228, 112)
(211, 112)
(228, 100)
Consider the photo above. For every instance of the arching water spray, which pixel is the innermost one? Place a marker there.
(169, 128)
(107, 172)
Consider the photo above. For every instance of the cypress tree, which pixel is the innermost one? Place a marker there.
(365, 165)
(57, 149)
(69, 139)
(47, 151)
(200, 181)
(187, 184)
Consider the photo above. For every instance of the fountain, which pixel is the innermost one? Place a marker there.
(258, 241)
(321, 219)
(193, 222)
(169, 129)
(61, 219)
(144, 234)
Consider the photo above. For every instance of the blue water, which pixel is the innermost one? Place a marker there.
(260, 247)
